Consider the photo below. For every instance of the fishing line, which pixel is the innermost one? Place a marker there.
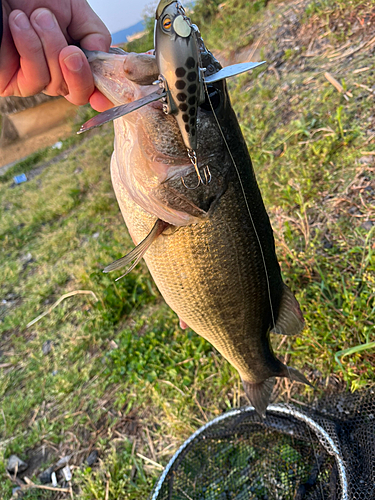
(246, 202)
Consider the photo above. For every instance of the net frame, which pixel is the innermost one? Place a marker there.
(324, 438)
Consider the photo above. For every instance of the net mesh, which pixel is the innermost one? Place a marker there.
(325, 452)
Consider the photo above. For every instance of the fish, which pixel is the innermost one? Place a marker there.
(209, 247)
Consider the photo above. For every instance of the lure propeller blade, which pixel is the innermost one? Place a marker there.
(235, 69)
(118, 111)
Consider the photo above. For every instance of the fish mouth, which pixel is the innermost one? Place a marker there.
(123, 77)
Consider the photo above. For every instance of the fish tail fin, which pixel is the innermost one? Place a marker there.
(289, 320)
(259, 394)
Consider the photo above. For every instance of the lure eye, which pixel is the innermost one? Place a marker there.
(167, 23)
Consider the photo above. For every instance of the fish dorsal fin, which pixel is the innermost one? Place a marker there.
(289, 320)
(137, 253)
(118, 111)
(235, 69)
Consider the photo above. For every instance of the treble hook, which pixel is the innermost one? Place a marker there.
(206, 171)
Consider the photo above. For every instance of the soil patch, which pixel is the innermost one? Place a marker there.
(25, 147)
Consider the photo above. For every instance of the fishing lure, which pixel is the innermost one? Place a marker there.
(182, 81)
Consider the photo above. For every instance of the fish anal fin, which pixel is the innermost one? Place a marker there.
(137, 253)
(289, 320)
(297, 376)
(259, 394)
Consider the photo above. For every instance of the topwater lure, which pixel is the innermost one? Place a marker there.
(182, 81)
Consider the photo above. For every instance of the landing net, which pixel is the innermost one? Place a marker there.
(321, 453)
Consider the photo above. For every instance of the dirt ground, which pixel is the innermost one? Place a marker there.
(24, 147)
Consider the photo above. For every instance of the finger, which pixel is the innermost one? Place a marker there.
(53, 41)
(9, 61)
(99, 102)
(77, 75)
(88, 28)
(33, 75)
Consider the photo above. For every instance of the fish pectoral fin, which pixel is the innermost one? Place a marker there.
(259, 394)
(137, 253)
(290, 320)
(297, 376)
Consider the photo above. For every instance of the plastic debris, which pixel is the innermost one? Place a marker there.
(45, 476)
(67, 473)
(92, 458)
(16, 464)
(19, 179)
(57, 145)
(47, 347)
(63, 461)
(54, 479)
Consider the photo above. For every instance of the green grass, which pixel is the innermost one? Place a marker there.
(227, 24)
(122, 377)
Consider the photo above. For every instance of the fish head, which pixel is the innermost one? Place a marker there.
(179, 64)
(150, 156)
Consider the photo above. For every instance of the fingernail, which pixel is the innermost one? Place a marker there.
(21, 21)
(45, 20)
(74, 62)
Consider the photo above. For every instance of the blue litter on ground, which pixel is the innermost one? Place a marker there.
(19, 179)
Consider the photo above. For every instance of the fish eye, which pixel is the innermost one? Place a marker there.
(167, 23)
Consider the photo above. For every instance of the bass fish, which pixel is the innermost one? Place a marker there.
(187, 191)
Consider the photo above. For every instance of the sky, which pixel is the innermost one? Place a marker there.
(120, 14)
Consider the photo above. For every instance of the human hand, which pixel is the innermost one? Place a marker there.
(37, 54)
